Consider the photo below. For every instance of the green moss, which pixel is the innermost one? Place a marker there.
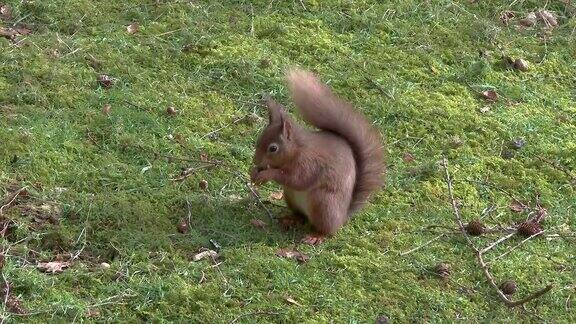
(415, 68)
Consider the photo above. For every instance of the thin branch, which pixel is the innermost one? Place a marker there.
(479, 253)
(259, 200)
(253, 314)
(227, 168)
(234, 122)
(7, 205)
(423, 245)
(379, 87)
(217, 266)
(502, 239)
(559, 167)
(251, 20)
(455, 205)
(504, 191)
(516, 246)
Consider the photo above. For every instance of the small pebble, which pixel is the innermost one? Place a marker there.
(518, 143)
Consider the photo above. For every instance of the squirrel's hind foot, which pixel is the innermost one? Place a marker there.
(314, 239)
(288, 222)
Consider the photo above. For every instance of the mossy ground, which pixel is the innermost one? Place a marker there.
(416, 68)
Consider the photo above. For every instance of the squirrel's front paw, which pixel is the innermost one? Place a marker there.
(314, 239)
(261, 177)
(253, 174)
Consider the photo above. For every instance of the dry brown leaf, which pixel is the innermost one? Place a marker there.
(541, 213)
(93, 313)
(408, 158)
(490, 95)
(292, 301)
(520, 64)
(290, 254)
(92, 61)
(277, 195)
(485, 109)
(12, 303)
(547, 17)
(23, 30)
(105, 81)
(8, 33)
(382, 319)
(171, 110)
(106, 109)
(183, 226)
(5, 12)
(133, 28)
(517, 206)
(185, 173)
(506, 16)
(205, 254)
(203, 185)
(53, 266)
(258, 223)
(529, 20)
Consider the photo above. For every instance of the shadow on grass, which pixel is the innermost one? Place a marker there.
(119, 226)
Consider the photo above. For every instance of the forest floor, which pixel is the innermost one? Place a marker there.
(108, 195)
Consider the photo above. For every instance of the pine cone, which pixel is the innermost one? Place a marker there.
(475, 228)
(443, 269)
(529, 228)
(508, 287)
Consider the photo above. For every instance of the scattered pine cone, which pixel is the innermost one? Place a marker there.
(183, 226)
(105, 81)
(528, 228)
(475, 228)
(521, 65)
(443, 269)
(508, 287)
(171, 110)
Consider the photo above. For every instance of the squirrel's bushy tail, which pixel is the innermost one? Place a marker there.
(319, 106)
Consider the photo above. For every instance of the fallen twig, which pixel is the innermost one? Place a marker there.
(455, 205)
(504, 191)
(234, 122)
(503, 297)
(188, 172)
(561, 168)
(217, 266)
(227, 168)
(502, 239)
(253, 314)
(8, 33)
(379, 87)
(422, 245)
(479, 253)
(259, 200)
(14, 196)
(516, 246)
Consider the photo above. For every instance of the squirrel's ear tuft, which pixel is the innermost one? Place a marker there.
(275, 111)
(287, 129)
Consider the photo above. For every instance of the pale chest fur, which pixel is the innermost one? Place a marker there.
(299, 200)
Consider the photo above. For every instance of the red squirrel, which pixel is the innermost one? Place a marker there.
(327, 174)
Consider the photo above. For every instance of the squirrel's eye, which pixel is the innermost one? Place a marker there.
(273, 148)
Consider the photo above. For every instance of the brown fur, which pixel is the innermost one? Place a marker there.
(326, 174)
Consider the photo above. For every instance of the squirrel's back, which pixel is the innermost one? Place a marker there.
(323, 109)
